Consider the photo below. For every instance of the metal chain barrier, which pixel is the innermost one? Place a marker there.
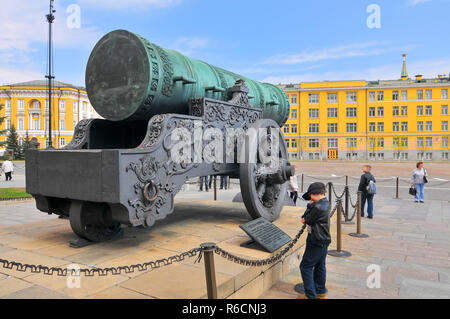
(90, 272)
(335, 194)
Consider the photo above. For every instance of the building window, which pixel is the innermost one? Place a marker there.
(419, 110)
(372, 142)
(444, 94)
(429, 126)
(8, 106)
(404, 142)
(20, 125)
(420, 126)
(380, 126)
(294, 114)
(287, 142)
(294, 128)
(75, 107)
(394, 95)
(445, 141)
(429, 94)
(372, 127)
(332, 113)
(380, 95)
(293, 98)
(314, 128)
(313, 98)
(429, 110)
(314, 143)
(46, 106)
(395, 111)
(351, 112)
(332, 143)
(445, 156)
(445, 125)
(313, 113)
(293, 143)
(420, 142)
(62, 106)
(62, 125)
(396, 142)
(404, 95)
(395, 126)
(332, 98)
(20, 105)
(351, 97)
(429, 141)
(404, 111)
(371, 111)
(380, 156)
(420, 94)
(404, 156)
(351, 142)
(351, 127)
(380, 111)
(286, 129)
(444, 109)
(332, 127)
(380, 142)
(404, 126)
(372, 96)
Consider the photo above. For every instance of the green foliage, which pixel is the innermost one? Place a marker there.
(2, 119)
(12, 143)
(10, 193)
(27, 144)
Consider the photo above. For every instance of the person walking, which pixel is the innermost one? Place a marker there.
(313, 264)
(364, 182)
(418, 181)
(203, 179)
(293, 187)
(8, 168)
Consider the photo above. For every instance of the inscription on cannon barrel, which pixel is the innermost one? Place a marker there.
(266, 234)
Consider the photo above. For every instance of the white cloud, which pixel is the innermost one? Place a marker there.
(15, 75)
(416, 2)
(190, 45)
(121, 4)
(339, 52)
(428, 68)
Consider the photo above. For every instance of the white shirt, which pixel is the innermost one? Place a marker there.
(293, 185)
(7, 166)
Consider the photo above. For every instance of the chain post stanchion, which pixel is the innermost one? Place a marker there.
(358, 220)
(210, 270)
(346, 180)
(339, 252)
(215, 188)
(303, 182)
(396, 187)
(330, 193)
(347, 220)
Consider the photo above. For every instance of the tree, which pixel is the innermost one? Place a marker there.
(12, 142)
(27, 144)
(2, 132)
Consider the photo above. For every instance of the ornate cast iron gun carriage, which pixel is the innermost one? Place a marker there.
(121, 169)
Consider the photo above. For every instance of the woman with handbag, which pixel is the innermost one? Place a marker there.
(418, 181)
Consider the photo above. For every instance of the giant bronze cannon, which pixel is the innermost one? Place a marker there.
(160, 108)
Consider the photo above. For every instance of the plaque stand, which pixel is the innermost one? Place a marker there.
(251, 244)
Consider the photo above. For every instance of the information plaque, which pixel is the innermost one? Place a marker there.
(266, 234)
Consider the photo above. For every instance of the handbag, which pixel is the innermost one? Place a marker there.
(425, 180)
(412, 191)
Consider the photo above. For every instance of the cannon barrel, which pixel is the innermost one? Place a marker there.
(129, 78)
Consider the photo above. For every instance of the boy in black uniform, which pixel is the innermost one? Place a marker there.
(312, 266)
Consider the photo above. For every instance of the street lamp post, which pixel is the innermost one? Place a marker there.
(50, 76)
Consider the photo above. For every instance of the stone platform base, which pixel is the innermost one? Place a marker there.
(192, 223)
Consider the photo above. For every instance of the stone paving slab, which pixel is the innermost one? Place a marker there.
(409, 242)
(192, 223)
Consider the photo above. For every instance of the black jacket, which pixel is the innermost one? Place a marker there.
(316, 216)
(364, 181)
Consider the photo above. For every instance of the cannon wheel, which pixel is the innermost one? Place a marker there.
(262, 196)
(93, 221)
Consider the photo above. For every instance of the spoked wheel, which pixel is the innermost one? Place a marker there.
(263, 177)
(93, 221)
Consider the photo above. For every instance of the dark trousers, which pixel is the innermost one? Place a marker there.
(223, 182)
(294, 196)
(369, 197)
(204, 179)
(8, 176)
(313, 269)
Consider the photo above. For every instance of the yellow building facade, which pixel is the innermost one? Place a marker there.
(25, 105)
(405, 119)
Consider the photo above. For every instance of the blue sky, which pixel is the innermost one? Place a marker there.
(285, 41)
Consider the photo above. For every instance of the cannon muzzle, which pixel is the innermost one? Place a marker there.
(129, 78)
